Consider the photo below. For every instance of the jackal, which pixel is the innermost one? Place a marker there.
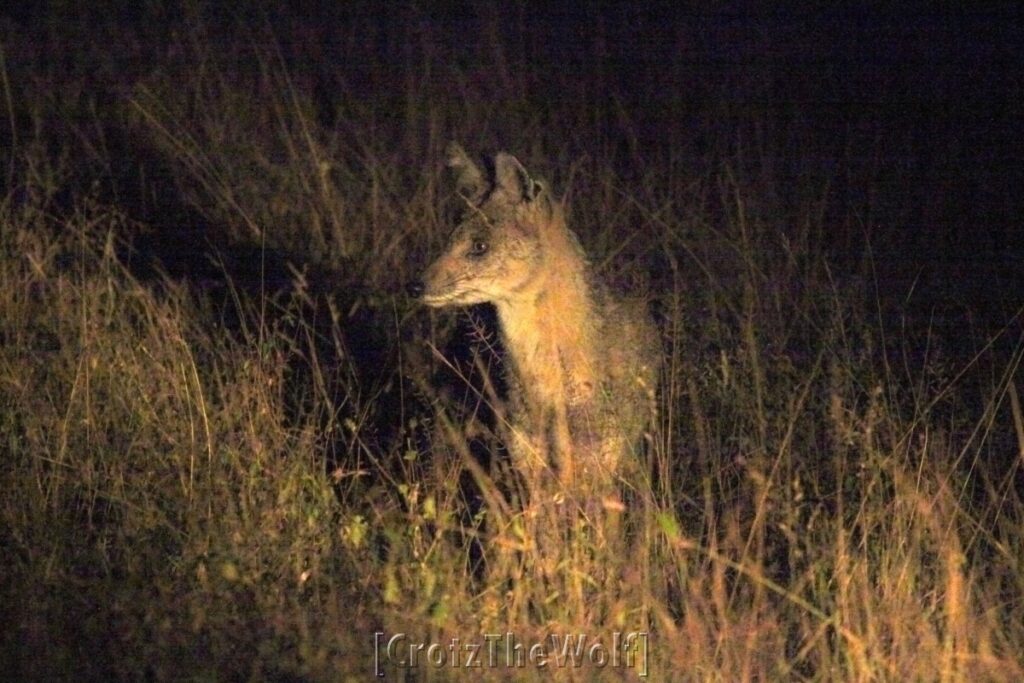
(581, 362)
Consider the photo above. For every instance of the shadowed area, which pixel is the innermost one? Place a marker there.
(232, 446)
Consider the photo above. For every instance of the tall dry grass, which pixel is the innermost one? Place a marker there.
(230, 475)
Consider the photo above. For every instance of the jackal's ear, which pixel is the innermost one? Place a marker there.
(537, 191)
(469, 180)
(512, 178)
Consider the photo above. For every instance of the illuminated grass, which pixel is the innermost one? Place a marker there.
(250, 478)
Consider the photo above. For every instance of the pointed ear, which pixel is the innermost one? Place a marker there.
(512, 178)
(538, 192)
(469, 180)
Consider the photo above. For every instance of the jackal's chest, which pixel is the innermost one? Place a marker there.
(553, 378)
(550, 350)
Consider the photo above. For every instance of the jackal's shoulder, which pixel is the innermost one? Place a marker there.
(625, 327)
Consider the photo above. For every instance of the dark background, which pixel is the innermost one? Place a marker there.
(911, 114)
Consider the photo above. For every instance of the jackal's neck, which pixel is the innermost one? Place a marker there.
(548, 327)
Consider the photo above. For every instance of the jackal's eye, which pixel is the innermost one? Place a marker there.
(478, 248)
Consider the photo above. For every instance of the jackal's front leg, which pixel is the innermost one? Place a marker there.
(564, 455)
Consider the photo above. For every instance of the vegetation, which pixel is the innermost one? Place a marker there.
(231, 448)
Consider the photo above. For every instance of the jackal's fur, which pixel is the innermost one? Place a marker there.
(583, 363)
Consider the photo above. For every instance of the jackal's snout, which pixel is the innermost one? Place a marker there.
(414, 289)
(430, 288)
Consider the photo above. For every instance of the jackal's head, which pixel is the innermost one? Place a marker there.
(497, 249)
